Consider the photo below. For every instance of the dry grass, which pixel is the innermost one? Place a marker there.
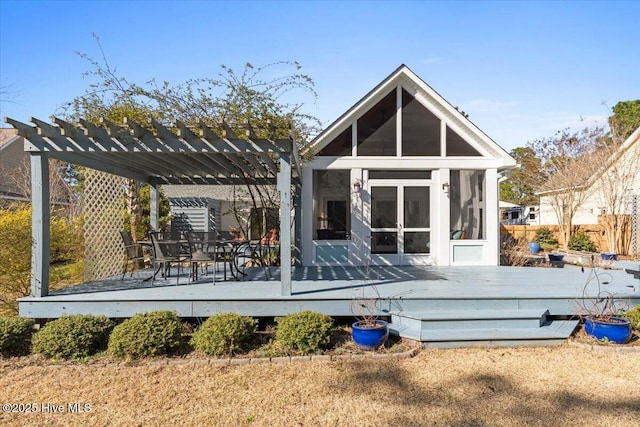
(462, 387)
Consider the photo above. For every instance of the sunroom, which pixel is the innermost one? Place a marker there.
(402, 178)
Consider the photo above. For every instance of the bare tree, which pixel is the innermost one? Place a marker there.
(568, 162)
(612, 186)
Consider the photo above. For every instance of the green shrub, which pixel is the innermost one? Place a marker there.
(147, 334)
(581, 242)
(544, 235)
(15, 335)
(15, 252)
(73, 337)
(633, 315)
(225, 333)
(306, 331)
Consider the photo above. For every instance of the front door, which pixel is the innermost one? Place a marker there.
(400, 219)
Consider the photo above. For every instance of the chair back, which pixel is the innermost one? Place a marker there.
(129, 245)
(164, 249)
(201, 242)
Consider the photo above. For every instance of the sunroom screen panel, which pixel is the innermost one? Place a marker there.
(340, 146)
(420, 128)
(457, 146)
(377, 129)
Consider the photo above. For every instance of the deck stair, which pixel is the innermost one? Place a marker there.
(491, 328)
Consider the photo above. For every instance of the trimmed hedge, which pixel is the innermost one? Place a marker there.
(147, 334)
(225, 333)
(15, 335)
(306, 331)
(73, 337)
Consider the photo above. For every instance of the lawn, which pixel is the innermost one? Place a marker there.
(463, 387)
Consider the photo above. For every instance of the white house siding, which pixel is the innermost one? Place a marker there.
(595, 203)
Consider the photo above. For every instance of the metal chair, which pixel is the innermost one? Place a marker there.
(202, 247)
(167, 252)
(133, 253)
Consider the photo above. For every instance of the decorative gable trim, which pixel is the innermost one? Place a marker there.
(432, 100)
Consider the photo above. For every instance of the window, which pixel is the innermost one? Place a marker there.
(341, 146)
(467, 203)
(332, 209)
(420, 128)
(377, 128)
(457, 146)
(262, 221)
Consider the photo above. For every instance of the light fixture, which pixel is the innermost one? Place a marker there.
(356, 187)
(445, 187)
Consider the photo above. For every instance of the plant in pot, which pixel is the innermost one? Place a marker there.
(368, 331)
(600, 310)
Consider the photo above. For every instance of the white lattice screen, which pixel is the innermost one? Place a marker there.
(103, 219)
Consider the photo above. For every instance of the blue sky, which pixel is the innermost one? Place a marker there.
(521, 70)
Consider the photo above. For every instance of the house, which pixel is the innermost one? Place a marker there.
(402, 178)
(15, 170)
(513, 214)
(224, 208)
(625, 158)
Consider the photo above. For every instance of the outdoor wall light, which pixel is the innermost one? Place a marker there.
(445, 187)
(356, 187)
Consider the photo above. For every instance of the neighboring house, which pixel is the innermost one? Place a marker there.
(15, 169)
(11, 155)
(223, 208)
(402, 178)
(625, 158)
(512, 214)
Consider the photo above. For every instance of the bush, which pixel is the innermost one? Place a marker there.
(633, 316)
(73, 337)
(146, 334)
(225, 333)
(581, 242)
(544, 236)
(15, 335)
(306, 331)
(15, 252)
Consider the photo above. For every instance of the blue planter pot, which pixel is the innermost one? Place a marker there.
(368, 338)
(617, 331)
(555, 257)
(608, 256)
(534, 247)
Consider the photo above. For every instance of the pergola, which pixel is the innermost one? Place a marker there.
(163, 155)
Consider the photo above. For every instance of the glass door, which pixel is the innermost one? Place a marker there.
(400, 222)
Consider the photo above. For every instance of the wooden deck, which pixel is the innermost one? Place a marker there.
(436, 306)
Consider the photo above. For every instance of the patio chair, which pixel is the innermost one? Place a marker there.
(202, 246)
(167, 252)
(256, 254)
(133, 253)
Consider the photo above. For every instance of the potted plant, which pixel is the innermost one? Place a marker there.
(368, 331)
(601, 315)
(534, 247)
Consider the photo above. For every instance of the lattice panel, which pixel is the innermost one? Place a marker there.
(103, 219)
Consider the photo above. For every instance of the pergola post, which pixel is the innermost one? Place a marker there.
(284, 186)
(297, 222)
(40, 225)
(154, 207)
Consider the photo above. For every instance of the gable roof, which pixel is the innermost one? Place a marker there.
(430, 98)
(627, 145)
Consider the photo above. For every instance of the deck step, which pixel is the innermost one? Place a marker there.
(464, 328)
(471, 319)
